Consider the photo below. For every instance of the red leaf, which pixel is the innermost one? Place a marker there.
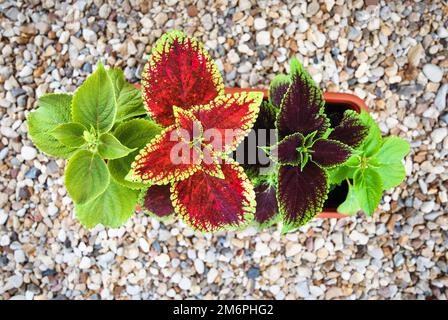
(210, 203)
(228, 119)
(179, 73)
(156, 200)
(166, 158)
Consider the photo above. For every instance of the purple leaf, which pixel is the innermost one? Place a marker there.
(287, 149)
(302, 108)
(266, 203)
(329, 153)
(156, 200)
(350, 130)
(301, 194)
(277, 89)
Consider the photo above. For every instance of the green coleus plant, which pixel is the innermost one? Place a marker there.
(375, 166)
(99, 129)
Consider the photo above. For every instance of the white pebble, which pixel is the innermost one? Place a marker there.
(132, 290)
(85, 263)
(199, 266)
(185, 284)
(259, 23)
(440, 100)
(25, 72)
(162, 260)
(437, 135)
(143, 245)
(263, 38)
(359, 237)
(28, 153)
(433, 72)
(3, 216)
(211, 275)
(89, 35)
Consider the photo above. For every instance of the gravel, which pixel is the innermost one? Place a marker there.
(390, 54)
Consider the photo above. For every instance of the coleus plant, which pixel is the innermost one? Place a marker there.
(308, 147)
(99, 129)
(183, 92)
(375, 166)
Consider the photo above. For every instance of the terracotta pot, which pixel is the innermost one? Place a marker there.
(333, 99)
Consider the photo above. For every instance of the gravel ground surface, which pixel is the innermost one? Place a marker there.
(392, 55)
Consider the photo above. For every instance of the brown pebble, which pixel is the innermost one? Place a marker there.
(192, 11)
(52, 35)
(38, 72)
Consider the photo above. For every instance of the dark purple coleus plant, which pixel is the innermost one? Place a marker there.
(307, 147)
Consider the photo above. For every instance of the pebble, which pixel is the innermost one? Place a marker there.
(28, 153)
(376, 253)
(415, 54)
(89, 35)
(263, 38)
(253, 273)
(185, 284)
(398, 259)
(433, 72)
(3, 216)
(292, 249)
(162, 260)
(84, 263)
(199, 266)
(19, 256)
(441, 97)
(260, 24)
(211, 275)
(437, 135)
(143, 244)
(359, 237)
(15, 281)
(234, 58)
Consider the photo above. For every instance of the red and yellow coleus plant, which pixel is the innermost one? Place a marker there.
(187, 166)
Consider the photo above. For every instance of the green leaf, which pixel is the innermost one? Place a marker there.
(392, 174)
(294, 66)
(94, 103)
(112, 208)
(354, 161)
(350, 206)
(135, 133)
(110, 147)
(368, 188)
(70, 134)
(373, 140)
(86, 176)
(393, 150)
(338, 174)
(129, 99)
(53, 110)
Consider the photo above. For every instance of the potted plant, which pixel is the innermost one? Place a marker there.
(166, 146)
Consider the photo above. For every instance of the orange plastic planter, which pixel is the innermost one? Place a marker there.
(333, 99)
